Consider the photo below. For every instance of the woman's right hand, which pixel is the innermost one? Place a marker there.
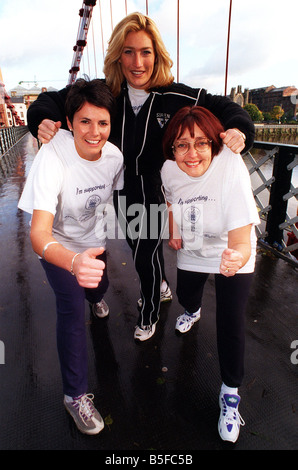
(175, 243)
(47, 129)
(87, 269)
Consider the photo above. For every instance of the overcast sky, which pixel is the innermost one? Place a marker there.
(37, 39)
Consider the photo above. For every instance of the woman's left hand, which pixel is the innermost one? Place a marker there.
(234, 140)
(231, 262)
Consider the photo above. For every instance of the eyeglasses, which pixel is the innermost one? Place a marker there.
(200, 146)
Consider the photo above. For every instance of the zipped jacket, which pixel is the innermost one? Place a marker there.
(139, 137)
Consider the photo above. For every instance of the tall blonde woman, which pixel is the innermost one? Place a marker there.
(138, 71)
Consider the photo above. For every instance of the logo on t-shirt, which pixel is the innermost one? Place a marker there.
(92, 202)
(192, 214)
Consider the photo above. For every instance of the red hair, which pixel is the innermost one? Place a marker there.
(186, 118)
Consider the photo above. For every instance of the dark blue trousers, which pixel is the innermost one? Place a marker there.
(71, 325)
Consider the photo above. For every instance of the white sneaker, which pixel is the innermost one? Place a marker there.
(142, 334)
(230, 419)
(165, 296)
(185, 322)
(84, 413)
(100, 309)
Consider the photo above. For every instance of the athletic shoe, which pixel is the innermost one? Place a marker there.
(165, 296)
(84, 413)
(100, 309)
(185, 322)
(230, 419)
(142, 334)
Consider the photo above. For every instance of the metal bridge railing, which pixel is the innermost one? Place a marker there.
(274, 182)
(9, 137)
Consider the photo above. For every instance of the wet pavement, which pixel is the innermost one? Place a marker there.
(161, 395)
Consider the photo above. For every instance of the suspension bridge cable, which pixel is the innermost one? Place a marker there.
(88, 61)
(111, 14)
(94, 49)
(102, 41)
(228, 46)
(178, 34)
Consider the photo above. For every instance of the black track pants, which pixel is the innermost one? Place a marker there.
(231, 299)
(142, 219)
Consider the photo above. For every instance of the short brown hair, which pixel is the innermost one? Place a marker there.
(186, 118)
(95, 92)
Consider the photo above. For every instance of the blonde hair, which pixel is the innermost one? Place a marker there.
(161, 76)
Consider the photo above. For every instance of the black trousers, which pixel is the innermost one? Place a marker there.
(231, 300)
(141, 212)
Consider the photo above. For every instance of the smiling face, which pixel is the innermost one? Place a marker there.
(193, 163)
(137, 59)
(91, 128)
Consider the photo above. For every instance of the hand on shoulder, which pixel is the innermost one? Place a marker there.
(234, 140)
(47, 129)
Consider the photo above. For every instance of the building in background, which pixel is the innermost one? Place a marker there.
(13, 106)
(3, 109)
(12, 112)
(285, 97)
(28, 94)
(20, 108)
(266, 98)
(238, 97)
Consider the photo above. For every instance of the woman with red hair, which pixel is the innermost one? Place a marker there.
(211, 218)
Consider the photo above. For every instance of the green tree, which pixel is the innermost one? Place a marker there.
(267, 116)
(276, 113)
(254, 112)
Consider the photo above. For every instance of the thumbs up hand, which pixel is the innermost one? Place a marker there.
(87, 269)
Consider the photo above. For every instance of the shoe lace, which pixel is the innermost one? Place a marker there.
(84, 404)
(185, 318)
(146, 328)
(231, 415)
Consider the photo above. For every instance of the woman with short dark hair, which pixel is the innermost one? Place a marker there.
(68, 187)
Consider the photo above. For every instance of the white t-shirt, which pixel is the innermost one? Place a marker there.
(74, 190)
(206, 208)
(137, 98)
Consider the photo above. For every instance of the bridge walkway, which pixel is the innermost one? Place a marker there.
(161, 395)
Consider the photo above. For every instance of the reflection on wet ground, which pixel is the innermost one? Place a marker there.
(160, 395)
